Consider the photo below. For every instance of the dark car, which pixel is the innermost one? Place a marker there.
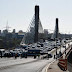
(49, 55)
(7, 54)
(33, 52)
(24, 54)
(64, 46)
(49, 49)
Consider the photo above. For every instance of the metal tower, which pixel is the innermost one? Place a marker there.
(7, 27)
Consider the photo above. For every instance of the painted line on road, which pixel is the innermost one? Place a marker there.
(41, 68)
(45, 69)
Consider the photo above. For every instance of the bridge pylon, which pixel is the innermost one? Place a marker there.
(34, 30)
(36, 23)
(56, 31)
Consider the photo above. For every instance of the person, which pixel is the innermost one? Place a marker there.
(26, 55)
(34, 56)
(1, 54)
(38, 55)
(21, 56)
(47, 56)
(54, 56)
(60, 54)
(15, 55)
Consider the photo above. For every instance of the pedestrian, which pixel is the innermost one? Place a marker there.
(15, 55)
(38, 55)
(26, 55)
(1, 54)
(48, 56)
(34, 56)
(54, 56)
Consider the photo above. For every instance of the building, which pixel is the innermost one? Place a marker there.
(21, 34)
(4, 33)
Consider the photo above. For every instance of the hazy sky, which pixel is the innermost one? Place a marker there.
(19, 14)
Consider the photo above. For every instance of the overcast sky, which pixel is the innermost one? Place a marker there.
(19, 14)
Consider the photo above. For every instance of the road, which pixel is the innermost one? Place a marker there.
(35, 66)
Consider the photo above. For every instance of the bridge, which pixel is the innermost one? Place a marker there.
(35, 32)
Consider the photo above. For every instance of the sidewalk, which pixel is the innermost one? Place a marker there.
(54, 68)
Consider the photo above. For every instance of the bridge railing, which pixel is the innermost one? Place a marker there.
(62, 61)
(62, 64)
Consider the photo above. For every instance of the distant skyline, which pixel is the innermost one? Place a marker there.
(19, 14)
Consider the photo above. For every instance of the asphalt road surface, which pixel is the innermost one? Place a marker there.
(36, 66)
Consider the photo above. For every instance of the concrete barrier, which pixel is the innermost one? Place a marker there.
(63, 64)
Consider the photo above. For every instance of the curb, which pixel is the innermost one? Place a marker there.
(45, 69)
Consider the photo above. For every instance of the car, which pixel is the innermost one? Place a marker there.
(41, 45)
(50, 56)
(25, 46)
(38, 46)
(7, 54)
(64, 46)
(55, 47)
(33, 46)
(49, 49)
(24, 54)
(2, 51)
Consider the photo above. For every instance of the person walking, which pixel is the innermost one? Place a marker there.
(1, 54)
